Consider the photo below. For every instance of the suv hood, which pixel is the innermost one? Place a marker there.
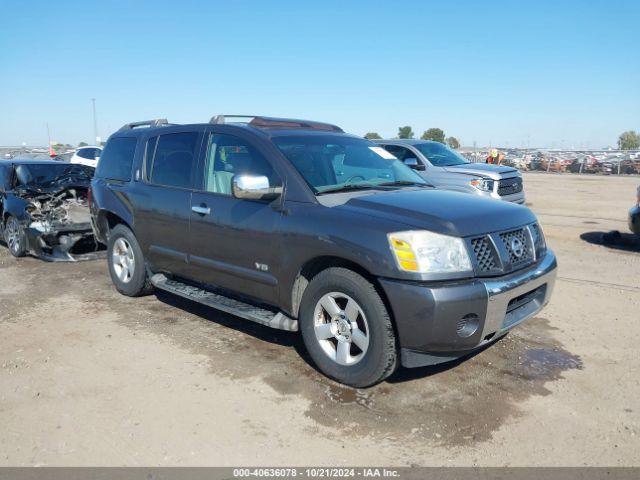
(495, 172)
(450, 213)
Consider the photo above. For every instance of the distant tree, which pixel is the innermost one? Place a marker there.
(435, 134)
(629, 140)
(372, 136)
(83, 144)
(405, 132)
(453, 143)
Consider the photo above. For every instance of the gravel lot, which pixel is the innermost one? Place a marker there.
(89, 377)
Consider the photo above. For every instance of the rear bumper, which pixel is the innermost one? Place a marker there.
(442, 321)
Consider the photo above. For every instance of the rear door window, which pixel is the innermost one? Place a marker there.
(173, 163)
(117, 159)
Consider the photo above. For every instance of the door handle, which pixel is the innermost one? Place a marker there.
(201, 209)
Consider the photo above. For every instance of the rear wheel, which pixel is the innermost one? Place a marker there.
(346, 328)
(126, 263)
(15, 237)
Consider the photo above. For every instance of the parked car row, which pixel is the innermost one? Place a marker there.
(299, 226)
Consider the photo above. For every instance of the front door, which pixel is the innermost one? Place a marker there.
(233, 242)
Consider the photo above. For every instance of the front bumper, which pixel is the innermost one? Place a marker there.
(442, 321)
(64, 245)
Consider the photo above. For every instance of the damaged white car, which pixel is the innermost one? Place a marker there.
(44, 207)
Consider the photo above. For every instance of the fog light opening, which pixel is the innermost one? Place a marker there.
(468, 325)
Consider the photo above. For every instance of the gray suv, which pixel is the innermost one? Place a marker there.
(299, 226)
(447, 169)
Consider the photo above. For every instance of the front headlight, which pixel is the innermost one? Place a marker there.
(427, 252)
(482, 184)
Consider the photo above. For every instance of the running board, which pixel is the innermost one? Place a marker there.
(220, 302)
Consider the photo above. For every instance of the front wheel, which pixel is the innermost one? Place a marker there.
(347, 329)
(15, 237)
(126, 263)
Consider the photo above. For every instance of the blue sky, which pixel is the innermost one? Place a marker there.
(551, 73)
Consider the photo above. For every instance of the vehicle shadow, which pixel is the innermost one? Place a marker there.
(615, 240)
(294, 339)
(261, 332)
(409, 374)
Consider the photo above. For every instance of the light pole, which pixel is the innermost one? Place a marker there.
(95, 121)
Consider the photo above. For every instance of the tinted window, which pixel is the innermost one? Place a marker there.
(148, 156)
(228, 156)
(174, 160)
(116, 159)
(88, 153)
(400, 152)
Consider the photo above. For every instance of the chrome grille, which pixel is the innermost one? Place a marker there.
(509, 186)
(538, 239)
(484, 253)
(518, 246)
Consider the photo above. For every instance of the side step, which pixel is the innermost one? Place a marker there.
(235, 307)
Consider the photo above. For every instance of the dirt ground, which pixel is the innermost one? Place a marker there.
(89, 377)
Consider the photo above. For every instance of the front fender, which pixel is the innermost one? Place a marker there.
(16, 207)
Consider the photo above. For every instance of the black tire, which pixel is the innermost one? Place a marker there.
(381, 355)
(15, 237)
(138, 282)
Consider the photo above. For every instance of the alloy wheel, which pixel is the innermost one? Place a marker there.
(341, 328)
(12, 235)
(123, 260)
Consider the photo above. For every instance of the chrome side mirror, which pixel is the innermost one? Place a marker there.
(413, 163)
(250, 187)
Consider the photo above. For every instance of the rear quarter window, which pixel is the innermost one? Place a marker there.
(117, 159)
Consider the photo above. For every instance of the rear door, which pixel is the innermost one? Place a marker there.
(233, 242)
(164, 207)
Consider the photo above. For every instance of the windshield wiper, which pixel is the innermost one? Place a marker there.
(348, 187)
(402, 183)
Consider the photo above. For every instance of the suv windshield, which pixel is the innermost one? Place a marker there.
(440, 155)
(333, 163)
(43, 175)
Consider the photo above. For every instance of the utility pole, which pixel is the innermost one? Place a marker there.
(48, 135)
(95, 121)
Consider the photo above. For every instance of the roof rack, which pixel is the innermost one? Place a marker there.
(145, 123)
(271, 122)
(221, 119)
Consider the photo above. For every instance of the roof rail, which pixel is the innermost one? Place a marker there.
(271, 122)
(221, 119)
(145, 123)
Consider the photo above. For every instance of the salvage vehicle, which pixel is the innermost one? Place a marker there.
(44, 209)
(445, 168)
(299, 226)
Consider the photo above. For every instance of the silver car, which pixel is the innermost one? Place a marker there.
(447, 169)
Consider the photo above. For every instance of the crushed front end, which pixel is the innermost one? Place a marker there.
(58, 225)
